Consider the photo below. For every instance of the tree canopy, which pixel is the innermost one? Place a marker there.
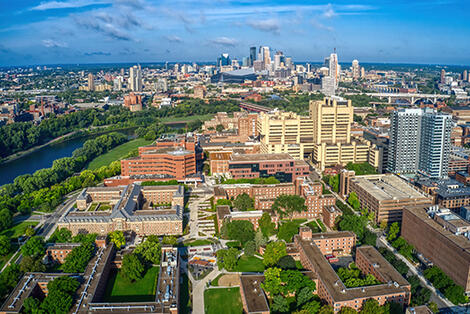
(287, 205)
(117, 237)
(273, 252)
(132, 267)
(243, 202)
(240, 230)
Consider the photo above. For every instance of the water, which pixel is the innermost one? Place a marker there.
(42, 158)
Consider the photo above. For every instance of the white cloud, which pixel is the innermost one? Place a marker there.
(50, 43)
(48, 5)
(269, 25)
(224, 41)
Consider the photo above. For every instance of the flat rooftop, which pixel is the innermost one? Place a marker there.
(256, 301)
(260, 157)
(386, 187)
(332, 235)
(336, 287)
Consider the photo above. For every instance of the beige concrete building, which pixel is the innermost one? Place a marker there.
(285, 132)
(333, 144)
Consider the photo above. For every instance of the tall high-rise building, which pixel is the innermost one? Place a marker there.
(309, 68)
(91, 82)
(278, 58)
(333, 67)
(289, 63)
(252, 55)
(363, 72)
(405, 134)
(355, 69)
(246, 62)
(464, 75)
(419, 142)
(332, 141)
(135, 78)
(328, 86)
(443, 76)
(224, 60)
(265, 56)
(435, 144)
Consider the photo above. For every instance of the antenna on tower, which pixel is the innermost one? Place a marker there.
(334, 49)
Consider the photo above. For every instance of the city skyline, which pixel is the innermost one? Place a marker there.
(149, 31)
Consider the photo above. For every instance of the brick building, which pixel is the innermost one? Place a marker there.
(281, 166)
(58, 252)
(169, 158)
(133, 102)
(330, 288)
(144, 210)
(439, 235)
(384, 194)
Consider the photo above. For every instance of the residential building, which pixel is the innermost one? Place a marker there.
(135, 78)
(420, 142)
(440, 236)
(133, 102)
(91, 82)
(330, 288)
(200, 91)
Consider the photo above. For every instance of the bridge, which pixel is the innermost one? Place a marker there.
(411, 98)
(254, 107)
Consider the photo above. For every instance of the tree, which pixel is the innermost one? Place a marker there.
(9, 276)
(371, 306)
(313, 307)
(243, 202)
(456, 294)
(280, 304)
(57, 302)
(266, 225)
(223, 201)
(353, 223)
(354, 201)
(393, 231)
(117, 237)
(287, 230)
(6, 219)
(287, 205)
(240, 230)
(273, 252)
(250, 248)
(132, 268)
(227, 258)
(433, 307)
(63, 283)
(326, 309)
(333, 181)
(369, 238)
(151, 251)
(305, 294)
(31, 264)
(219, 128)
(30, 231)
(287, 262)
(260, 239)
(62, 235)
(33, 247)
(169, 240)
(347, 310)
(31, 305)
(272, 280)
(150, 135)
(5, 245)
(294, 280)
(77, 260)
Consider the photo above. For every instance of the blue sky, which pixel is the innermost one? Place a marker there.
(93, 31)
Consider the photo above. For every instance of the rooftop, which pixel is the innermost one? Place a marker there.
(256, 301)
(260, 157)
(386, 187)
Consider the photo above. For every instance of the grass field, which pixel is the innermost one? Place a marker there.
(119, 289)
(198, 242)
(201, 117)
(117, 153)
(221, 300)
(18, 229)
(250, 264)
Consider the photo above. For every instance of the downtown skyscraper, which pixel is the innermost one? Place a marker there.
(419, 142)
(135, 78)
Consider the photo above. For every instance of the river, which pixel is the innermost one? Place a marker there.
(42, 158)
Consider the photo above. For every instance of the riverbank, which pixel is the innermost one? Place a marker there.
(117, 153)
(175, 120)
(63, 138)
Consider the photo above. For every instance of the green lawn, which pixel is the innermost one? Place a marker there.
(117, 153)
(18, 229)
(119, 289)
(198, 242)
(227, 301)
(201, 117)
(250, 264)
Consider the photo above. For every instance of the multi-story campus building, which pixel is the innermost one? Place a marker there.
(441, 236)
(420, 142)
(332, 119)
(281, 166)
(144, 210)
(285, 132)
(330, 288)
(384, 194)
(264, 195)
(169, 158)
